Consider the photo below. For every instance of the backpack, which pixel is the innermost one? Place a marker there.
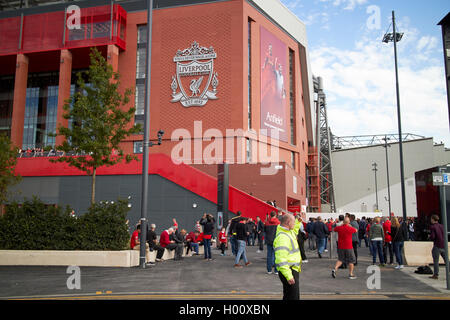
(424, 270)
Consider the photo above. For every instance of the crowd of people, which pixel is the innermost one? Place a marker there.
(41, 152)
(380, 234)
(383, 236)
(239, 233)
(38, 152)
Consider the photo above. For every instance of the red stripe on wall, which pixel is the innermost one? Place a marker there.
(183, 175)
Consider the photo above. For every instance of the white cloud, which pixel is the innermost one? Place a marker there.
(293, 4)
(360, 88)
(347, 4)
(317, 17)
(427, 43)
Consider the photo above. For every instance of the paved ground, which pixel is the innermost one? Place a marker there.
(197, 279)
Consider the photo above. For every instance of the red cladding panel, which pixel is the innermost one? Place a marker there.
(45, 32)
(9, 35)
(249, 206)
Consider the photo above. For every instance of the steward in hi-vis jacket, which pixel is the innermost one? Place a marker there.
(287, 256)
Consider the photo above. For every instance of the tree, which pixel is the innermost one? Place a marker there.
(8, 160)
(98, 121)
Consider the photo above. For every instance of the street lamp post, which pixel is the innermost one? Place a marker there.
(145, 156)
(387, 171)
(376, 186)
(396, 37)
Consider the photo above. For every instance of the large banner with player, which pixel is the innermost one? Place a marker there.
(274, 81)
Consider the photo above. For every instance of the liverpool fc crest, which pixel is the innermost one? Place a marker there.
(195, 78)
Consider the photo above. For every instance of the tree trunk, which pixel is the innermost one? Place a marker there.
(93, 186)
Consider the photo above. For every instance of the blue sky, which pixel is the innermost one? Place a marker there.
(345, 49)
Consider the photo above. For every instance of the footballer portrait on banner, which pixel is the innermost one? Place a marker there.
(274, 80)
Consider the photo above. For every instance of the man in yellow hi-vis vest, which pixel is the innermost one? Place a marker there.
(287, 256)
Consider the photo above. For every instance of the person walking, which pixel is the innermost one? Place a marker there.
(369, 224)
(207, 223)
(232, 232)
(355, 237)
(301, 238)
(411, 230)
(387, 242)
(241, 237)
(376, 236)
(362, 231)
(251, 229)
(270, 229)
(437, 236)
(321, 232)
(311, 236)
(223, 241)
(260, 234)
(287, 256)
(345, 248)
(399, 234)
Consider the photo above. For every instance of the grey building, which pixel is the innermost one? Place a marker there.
(354, 176)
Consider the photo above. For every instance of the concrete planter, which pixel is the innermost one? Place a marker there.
(418, 253)
(125, 258)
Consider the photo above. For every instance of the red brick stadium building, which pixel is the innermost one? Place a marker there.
(230, 83)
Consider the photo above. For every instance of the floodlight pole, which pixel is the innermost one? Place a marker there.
(145, 155)
(400, 144)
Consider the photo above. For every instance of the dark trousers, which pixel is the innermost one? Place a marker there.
(388, 245)
(160, 250)
(436, 252)
(301, 245)
(222, 247)
(355, 250)
(260, 241)
(207, 245)
(234, 246)
(290, 292)
(178, 247)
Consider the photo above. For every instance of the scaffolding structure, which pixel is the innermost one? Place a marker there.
(324, 142)
(349, 142)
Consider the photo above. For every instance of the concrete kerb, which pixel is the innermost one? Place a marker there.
(123, 258)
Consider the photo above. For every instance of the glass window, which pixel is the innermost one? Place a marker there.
(141, 69)
(293, 160)
(249, 150)
(138, 147)
(40, 110)
(141, 63)
(6, 103)
(140, 99)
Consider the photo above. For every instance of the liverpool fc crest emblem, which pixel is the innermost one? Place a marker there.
(195, 78)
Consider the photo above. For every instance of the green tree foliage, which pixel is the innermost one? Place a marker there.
(34, 225)
(8, 160)
(98, 120)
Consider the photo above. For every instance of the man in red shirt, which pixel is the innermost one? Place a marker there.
(135, 244)
(345, 247)
(387, 242)
(135, 237)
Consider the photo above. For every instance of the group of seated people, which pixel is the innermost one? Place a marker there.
(39, 152)
(170, 239)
